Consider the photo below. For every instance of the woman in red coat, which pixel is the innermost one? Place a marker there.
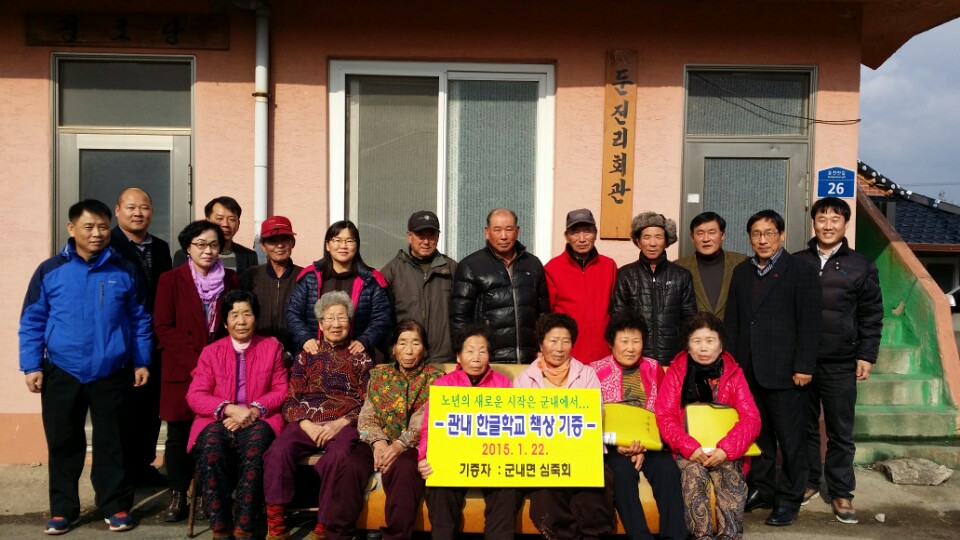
(186, 319)
(705, 373)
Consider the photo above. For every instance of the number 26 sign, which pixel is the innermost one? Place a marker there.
(836, 182)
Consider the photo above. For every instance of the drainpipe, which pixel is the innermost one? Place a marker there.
(260, 116)
(261, 126)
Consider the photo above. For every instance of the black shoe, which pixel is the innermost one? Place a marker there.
(177, 509)
(782, 516)
(755, 500)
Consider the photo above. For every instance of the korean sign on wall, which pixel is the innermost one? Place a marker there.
(513, 437)
(619, 121)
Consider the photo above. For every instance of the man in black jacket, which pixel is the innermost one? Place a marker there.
(654, 288)
(849, 343)
(151, 257)
(773, 328)
(225, 212)
(504, 286)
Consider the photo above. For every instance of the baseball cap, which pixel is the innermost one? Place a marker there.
(424, 219)
(275, 226)
(581, 215)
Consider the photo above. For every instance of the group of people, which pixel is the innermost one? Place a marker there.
(255, 366)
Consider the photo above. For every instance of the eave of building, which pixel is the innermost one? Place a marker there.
(888, 24)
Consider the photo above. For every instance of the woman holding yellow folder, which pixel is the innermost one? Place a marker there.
(705, 373)
(629, 378)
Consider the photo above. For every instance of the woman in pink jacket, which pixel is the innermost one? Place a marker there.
(566, 513)
(237, 388)
(445, 504)
(629, 378)
(705, 373)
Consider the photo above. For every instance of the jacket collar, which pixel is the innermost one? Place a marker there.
(815, 249)
(69, 252)
(519, 248)
(582, 264)
(287, 270)
(438, 264)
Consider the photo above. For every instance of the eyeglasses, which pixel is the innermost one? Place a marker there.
(769, 235)
(332, 319)
(349, 242)
(202, 246)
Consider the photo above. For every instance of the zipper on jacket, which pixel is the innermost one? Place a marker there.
(516, 315)
(101, 293)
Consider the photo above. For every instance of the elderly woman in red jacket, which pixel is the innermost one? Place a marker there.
(705, 373)
(186, 318)
(237, 389)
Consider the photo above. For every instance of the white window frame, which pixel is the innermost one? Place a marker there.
(543, 74)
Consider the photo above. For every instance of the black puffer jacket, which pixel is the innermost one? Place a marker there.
(483, 291)
(663, 298)
(852, 304)
(372, 314)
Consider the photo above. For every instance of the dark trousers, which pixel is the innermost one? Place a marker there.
(835, 387)
(402, 485)
(569, 513)
(143, 427)
(175, 457)
(65, 401)
(445, 506)
(232, 459)
(661, 471)
(280, 467)
(783, 414)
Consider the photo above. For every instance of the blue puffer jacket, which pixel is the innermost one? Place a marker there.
(371, 315)
(87, 318)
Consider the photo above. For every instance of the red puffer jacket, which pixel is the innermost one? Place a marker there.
(732, 391)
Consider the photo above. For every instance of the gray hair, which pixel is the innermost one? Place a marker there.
(333, 298)
(653, 219)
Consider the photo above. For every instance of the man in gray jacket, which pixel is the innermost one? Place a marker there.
(420, 279)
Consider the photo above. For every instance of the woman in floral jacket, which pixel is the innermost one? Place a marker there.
(705, 373)
(389, 427)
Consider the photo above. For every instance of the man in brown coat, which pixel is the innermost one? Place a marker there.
(711, 266)
(420, 279)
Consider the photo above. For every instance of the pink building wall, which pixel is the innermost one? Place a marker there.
(305, 36)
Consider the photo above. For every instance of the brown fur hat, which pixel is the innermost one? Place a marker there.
(653, 219)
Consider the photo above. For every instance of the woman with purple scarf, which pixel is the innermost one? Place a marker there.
(186, 319)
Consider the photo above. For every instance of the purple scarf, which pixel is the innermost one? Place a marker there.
(209, 287)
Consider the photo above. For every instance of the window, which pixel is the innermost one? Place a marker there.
(458, 139)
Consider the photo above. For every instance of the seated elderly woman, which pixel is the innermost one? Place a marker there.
(236, 392)
(389, 426)
(705, 373)
(445, 504)
(628, 377)
(566, 512)
(326, 392)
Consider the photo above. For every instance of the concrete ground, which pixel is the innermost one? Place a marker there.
(908, 511)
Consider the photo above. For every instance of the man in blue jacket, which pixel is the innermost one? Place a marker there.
(84, 334)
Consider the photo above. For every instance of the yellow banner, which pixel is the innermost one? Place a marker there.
(514, 437)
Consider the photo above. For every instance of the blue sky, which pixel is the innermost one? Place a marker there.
(910, 110)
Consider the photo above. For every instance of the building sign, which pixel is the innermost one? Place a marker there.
(619, 120)
(514, 437)
(836, 182)
(154, 31)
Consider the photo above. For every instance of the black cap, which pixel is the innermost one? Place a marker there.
(424, 219)
(581, 215)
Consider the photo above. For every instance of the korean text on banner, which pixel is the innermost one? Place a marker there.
(513, 437)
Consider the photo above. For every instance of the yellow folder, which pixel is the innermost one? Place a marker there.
(710, 422)
(623, 424)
